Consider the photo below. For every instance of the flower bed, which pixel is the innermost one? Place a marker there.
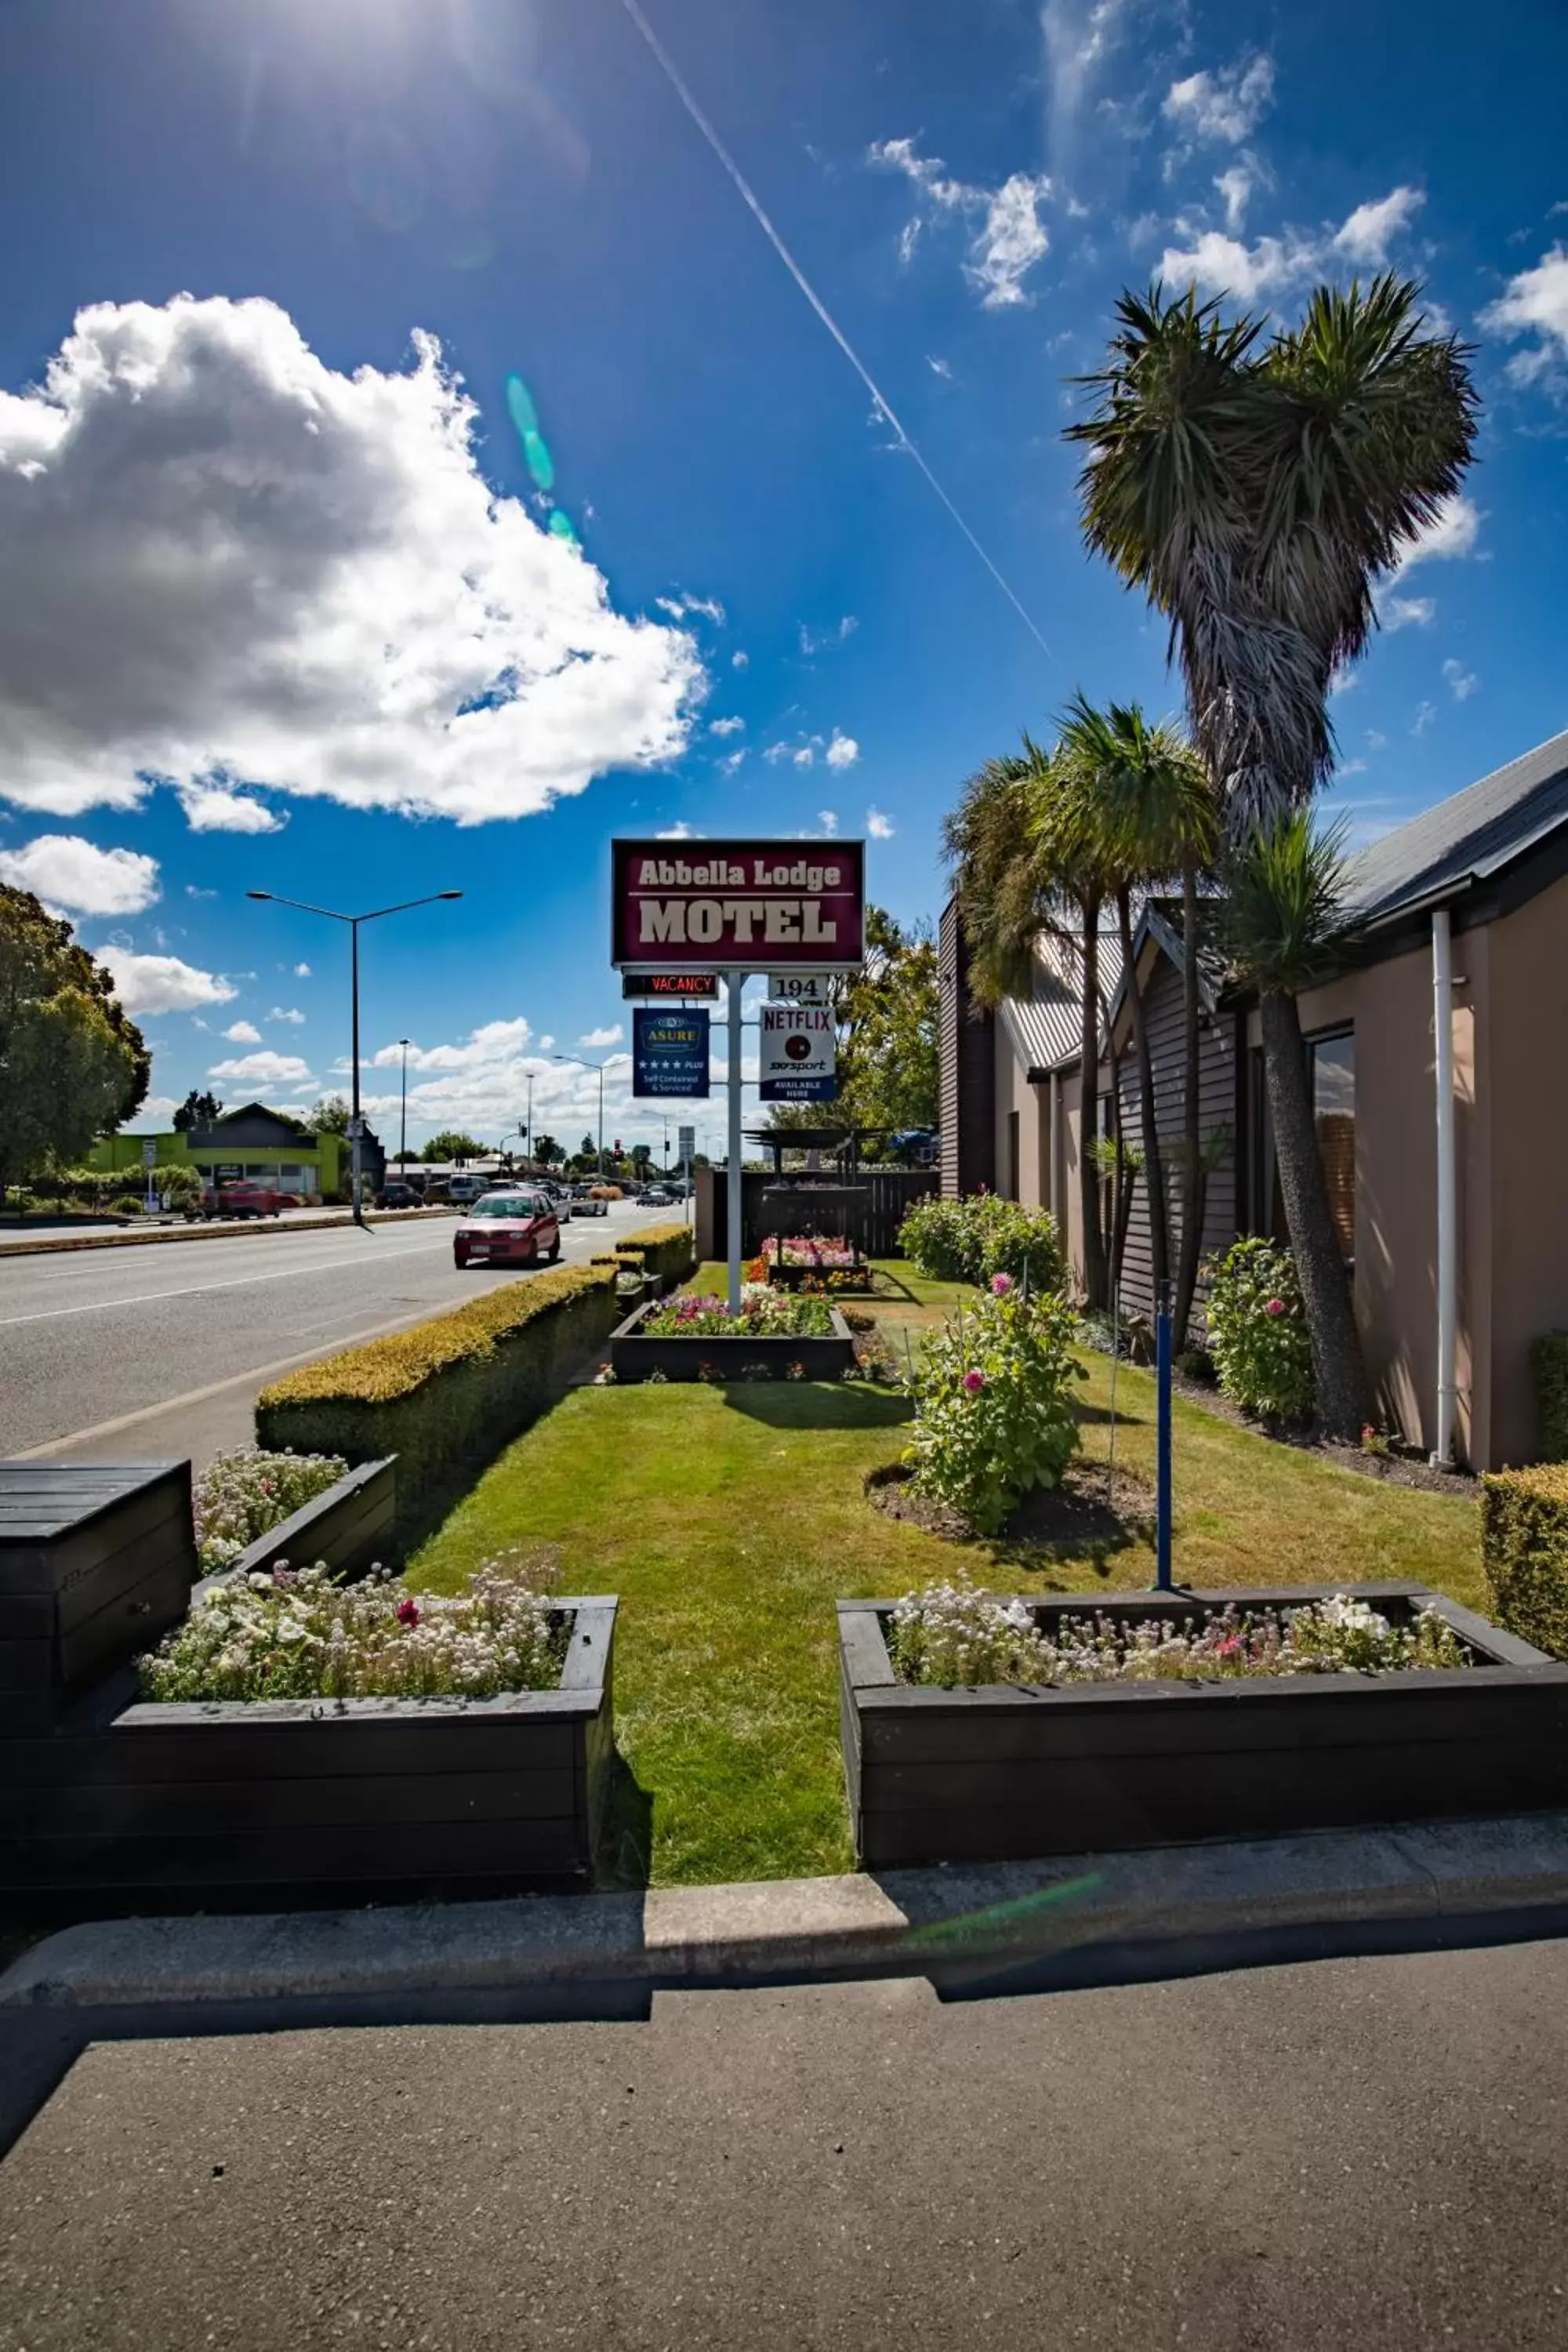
(810, 1262)
(243, 1495)
(695, 1337)
(1156, 1731)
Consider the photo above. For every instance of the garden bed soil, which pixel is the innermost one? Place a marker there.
(133, 1801)
(1001, 1772)
(1402, 1465)
(1078, 1512)
(633, 1354)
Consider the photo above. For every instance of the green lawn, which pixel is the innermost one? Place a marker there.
(729, 1520)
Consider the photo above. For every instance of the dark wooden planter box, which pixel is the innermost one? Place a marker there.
(997, 1773)
(633, 1357)
(348, 1527)
(320, 1798)
(97, 1562)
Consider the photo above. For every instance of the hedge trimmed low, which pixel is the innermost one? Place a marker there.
(1524, 1548)
(667, 1253)
(457, 1386)
(1549, 1361)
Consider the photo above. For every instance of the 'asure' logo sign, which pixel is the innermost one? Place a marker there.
(760, 905)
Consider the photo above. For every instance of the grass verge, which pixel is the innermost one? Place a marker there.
(729, 1520)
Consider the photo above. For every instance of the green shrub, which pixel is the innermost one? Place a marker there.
(127, 1204)
(992, 1415)
(666, 1252)
(1524, 1549)
(457, 1387)
(179, 1183)
(1257, 1331)
(1548, 1363)
(972, 1239)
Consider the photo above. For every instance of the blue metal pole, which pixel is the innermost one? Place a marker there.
(1162, 1472)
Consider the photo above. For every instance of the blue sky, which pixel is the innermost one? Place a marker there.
(260, 545)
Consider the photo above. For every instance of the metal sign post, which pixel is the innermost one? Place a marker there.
(1162, 1443)
(736, 982)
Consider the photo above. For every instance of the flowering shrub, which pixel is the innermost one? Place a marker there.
(951, 1633)
(1257, 1331)
(295, 1633)
(992, 1418)
(765, 1314)
(240, 1496)
(807, 1249)
(972, 1239)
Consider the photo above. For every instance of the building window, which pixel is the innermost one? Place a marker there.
(1331, 1068)
(1015, 1172)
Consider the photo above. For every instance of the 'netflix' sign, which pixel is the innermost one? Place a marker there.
(746, 906)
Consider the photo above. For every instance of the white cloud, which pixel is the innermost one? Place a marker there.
(1425, 716)
(1372, 228)
(1461, 682)
(681, 832)
(740, 661)
(288, 1012)
(842, 751)
(1406, 612)
(1535, 304)
(162, 983)
(213, 808)
(1352, 768)
(1077, 36)
(681, 607)
(71, 873)
(880, 827)
(731, 761)
(806, 756)
(1225, 107)
(828, 820)
(775, 752)
(155, 1112)
(1376, 742)
(266, 1069)
(818, 641)
(1344, 681)
(241, 1032)
(1453, 531)
(1223, 265)
(302, 971)
(479, 1082)
(195, 890)
(593, 1038)
(730, 726)
(421, 644)
(940, 367)
(1007, 235)
(1234, 187)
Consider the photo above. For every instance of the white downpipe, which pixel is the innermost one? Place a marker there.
(1448, 1184)
(736, 980)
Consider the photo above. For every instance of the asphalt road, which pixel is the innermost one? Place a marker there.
(1363, 2154)
(97, 1337)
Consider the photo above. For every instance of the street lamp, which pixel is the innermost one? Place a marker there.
(599, 1066)
(356, 1124)
(402, 1114)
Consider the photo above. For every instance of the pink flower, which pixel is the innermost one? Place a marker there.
(975, 1382)
(1274, 1306)
(1001, 1283)
(408, 1613)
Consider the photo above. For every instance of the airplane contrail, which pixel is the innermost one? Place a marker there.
(880, 401)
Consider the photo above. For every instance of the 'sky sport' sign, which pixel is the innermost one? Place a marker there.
(669, 1052)
(796, 1052)
(738, 905)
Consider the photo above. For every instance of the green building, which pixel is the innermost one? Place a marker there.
(265, 1146)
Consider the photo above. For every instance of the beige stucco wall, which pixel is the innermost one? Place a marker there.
(1014, 1092)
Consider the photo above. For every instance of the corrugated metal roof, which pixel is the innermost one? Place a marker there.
(1465, 838)
(1043, 1029)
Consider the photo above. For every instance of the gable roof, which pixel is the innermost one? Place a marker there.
(1464, 839)
(1043, 1028)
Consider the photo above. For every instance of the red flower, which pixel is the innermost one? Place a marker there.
(1274, 1306)
(408, 1613)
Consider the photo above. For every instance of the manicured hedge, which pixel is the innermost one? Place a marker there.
(1524, 1545)
(1548, 1360)
(667, 1252)
(457, 1386)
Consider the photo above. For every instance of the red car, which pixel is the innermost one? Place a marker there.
(508, 1229)
(250, 1198)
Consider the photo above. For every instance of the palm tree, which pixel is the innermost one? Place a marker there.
(1144, 793)
(1254, 490)
(1019, 879)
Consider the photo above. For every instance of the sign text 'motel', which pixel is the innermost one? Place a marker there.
(755, 906)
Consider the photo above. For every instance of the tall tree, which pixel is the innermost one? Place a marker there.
(452, 1144)
(547, 1152)
(886, 1022)
(73, 1066)
(331, 1116)
(1023, 872)
(1254, 489)
(196, 1111)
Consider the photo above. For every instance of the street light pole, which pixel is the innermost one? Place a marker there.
(578, 1063)
(332, 915)
(403, 1114)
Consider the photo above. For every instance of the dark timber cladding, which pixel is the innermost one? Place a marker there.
(967, 1059)
(1217, 1080)
(1000, 1772)
(346, 1797)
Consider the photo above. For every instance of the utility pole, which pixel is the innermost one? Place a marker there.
(403, 1114)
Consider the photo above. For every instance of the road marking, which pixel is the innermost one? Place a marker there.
(193, 1289)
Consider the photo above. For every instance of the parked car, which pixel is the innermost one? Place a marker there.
(399, 1196)
(656, 1197)
(590, 1204)
(250, 1198)
(512, 1228)
(463, 1189)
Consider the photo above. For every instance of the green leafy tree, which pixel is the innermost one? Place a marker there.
(331, 1116)
(887, 1017)
(72, 1065)
(547, 1152)
(452, 1144)
(1255, 489)
(196, 1111)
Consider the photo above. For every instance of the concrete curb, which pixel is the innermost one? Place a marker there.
(69, 1245)
(908, 1922)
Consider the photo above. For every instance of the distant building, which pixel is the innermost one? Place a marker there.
(255, 1143)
